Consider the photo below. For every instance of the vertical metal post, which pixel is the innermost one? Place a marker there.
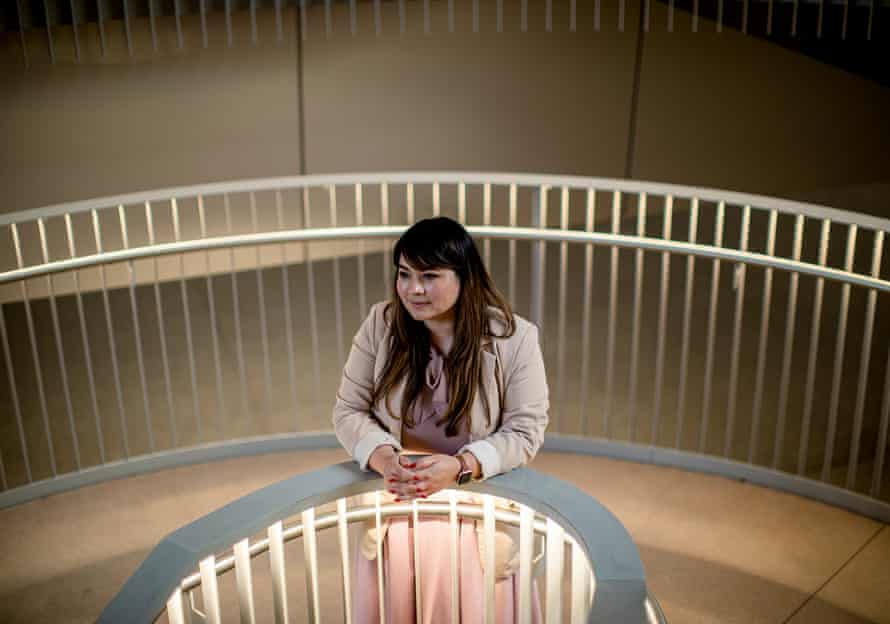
(162, 331)
(745, 17)
(765, 307)
(362, 287)
(378, 525)
(488, 530)
(687, 317)
(712, 329)
(153, 26)
(175, 610)
(555, 549)
(279, 573)
(645, 15)
(203, 11)
(839, 356)
(21, 18)
(563, 283)
(228, 9)
(486, 220)
(662, 317)
(635, 335)
(437, 207)
(790, 325)
(739, 285)
(769, 18)
(304, 20)
(236, 309)
(670, 24)
(409, 203)
(137, 331)
(264, 330)
(426, 16)
(353, 17)
(338, 305)
(454, 534)
(310, 556)
(244, 582)
(462, 202)
(871, 15)
(415, 547)
(814, 349)
(32, 336)
(596, 15)
(794, 18)
(580, 585)
(511, 274)
(864, 360)
(100, 18)
(881, 443)
(573, 15)
(819, 22)
(328, 28)
(127, 32)
(177, 10)
(378, 26)
(387, 258)
(719, 16)
(343, 540)
(589, 220)
(183, 291)
(524, 16)
(49, 34)
(210, 590)
(288, 317)
(75, 31)
(310, 287)
(476, 15)
(620, 15)
(60, 349)
(10, 374)
(214, 332)
(694, 15)
(253, 25)
(526, 552)
(548, 15)
(538, 259)
(613, 304)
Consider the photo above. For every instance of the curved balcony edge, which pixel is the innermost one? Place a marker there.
(685, 460)
(620, 582)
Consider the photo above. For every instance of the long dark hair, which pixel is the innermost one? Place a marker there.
(442, 243)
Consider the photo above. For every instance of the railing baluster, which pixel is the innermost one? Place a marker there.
(415, 548)
(539, 260)
(409, 204)
(563, 283)
(864, 362)
(162, 331)
(589, 221)
(203, 11)
(524, 16)
(486, 220)
(670, 22)
(573, 15)
(177, 11)
(362, 287)
(288, 316)
(620, 15)
(236, 309)
(228, 10)
(745, 17)
(736, 336)
(175, 608)
(153, 26)
(613, 303)
(75, 31)
(60, 348)
(526, 552)
(279, 573)
(462, 202)
(353, 18)
(253, 25)
(310, 556)
(49, 34)
(769, 18)
(21, 19)
(596, 15)
(695, 16)
(794, 18)
(210, 590)
(719, 16)
(3, 481)
(100, 18)
(454, 532)
(881, 443)
(548, 15)
(635, 335)
(387, 258)
(244, 582)
(338, 305)
(137, 331)
(16, 408)
(765, 306)
(839, 357)
(814, 350)
(183, 290)
(127, 32)
(214, 332)
(488, 530)
(261, 291)
(403, 17)
(712, 329)
(662, 318)
(511, 274)
(555, 550)
(819, 21)
(35, 356)
(304, 20)
(378, 525)
(645, 15)
(580, 585)
(328, 27)
(451, 16)
(313, 312)
(378, 25)
(426, 16)
(871, 15)
(343, 538)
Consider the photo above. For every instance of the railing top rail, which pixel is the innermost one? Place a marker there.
(620, 588)
(392, 231)
(453, 177)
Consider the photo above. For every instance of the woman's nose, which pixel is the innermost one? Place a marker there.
(418, 287)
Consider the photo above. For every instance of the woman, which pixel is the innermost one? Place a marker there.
(448, 370)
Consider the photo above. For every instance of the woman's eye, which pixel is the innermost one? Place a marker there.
(430, 275)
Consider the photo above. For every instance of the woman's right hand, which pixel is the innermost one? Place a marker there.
(400, 479)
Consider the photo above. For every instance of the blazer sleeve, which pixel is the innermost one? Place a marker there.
(524, 415)
(355, 426)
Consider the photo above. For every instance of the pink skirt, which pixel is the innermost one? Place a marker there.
(435, 579)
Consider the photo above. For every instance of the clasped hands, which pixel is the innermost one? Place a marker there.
(408, 479)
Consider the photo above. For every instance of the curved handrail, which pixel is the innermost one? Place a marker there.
(515, 233)
(620, 582)
(454, 177)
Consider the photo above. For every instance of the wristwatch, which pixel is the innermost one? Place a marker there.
(465, 475)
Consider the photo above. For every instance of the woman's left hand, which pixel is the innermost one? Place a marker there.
(436, 472)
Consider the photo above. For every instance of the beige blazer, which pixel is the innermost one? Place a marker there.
(506, 435)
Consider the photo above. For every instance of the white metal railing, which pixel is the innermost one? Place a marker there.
(605, 582)
(213, 320)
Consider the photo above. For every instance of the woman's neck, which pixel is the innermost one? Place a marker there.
(441, 334)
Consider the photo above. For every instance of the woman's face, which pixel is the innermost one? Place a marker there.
(428, 295)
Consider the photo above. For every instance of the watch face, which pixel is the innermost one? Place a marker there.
(464, 477)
